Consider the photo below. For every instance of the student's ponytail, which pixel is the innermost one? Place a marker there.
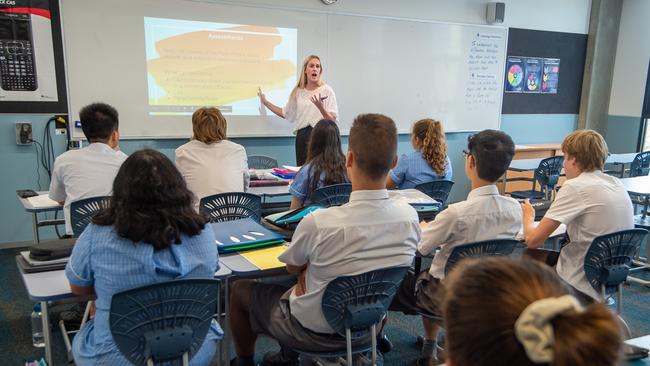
(434, 147)
(590, 337)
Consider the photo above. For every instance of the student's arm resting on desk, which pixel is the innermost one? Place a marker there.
(437, 232)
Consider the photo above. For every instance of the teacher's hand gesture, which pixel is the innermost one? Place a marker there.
(318, 101)
(260, 94)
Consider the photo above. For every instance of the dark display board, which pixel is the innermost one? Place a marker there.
(570, 48)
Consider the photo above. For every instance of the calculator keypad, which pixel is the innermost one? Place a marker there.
(17, 66)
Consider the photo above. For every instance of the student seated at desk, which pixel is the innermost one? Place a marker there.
(149, 234)
(88, 172)
(427, 163)
(501, 311)
(370, 232)
(590, 203)
(484, 215)
(325, 160)
(209, 163)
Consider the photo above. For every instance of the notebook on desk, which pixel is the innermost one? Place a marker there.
(243, 234)
(29, 265)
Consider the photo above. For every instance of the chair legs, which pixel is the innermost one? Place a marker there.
(348, 344)
(374, 344)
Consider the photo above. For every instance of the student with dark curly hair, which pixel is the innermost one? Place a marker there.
(150, 233)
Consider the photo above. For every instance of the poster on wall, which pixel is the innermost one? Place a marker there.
(514, 75)
(532, 74)
(550, 75)
(30, 67)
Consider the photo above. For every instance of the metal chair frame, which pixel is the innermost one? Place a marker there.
(548, 175)
(82, 212)
(262, 162)
(485, 248)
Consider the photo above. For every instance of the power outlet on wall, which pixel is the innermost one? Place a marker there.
(23, 133)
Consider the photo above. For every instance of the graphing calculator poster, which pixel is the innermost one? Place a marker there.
(514, 75)
(27, 63)
(550, 75)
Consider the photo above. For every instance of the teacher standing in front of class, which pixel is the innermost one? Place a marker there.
(310, 101)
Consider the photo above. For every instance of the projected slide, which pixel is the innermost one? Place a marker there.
(192, 64)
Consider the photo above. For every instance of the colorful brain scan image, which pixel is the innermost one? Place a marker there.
(515, 75)
(532, 81)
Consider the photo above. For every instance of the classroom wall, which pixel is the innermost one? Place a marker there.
(19, 162)
(630, 75)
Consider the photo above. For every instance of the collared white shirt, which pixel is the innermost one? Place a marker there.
(590, 205)
(302, 112)
(370, 232)
(84, 173)
(484, 215)
(213, 168)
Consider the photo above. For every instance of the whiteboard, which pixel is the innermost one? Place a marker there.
(406, 69)
(411, 70)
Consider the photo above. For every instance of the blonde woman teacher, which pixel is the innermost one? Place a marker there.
(310, 101)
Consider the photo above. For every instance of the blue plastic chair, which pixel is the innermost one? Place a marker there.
(609, 259)
(438, 189)
(82, 212)
(231, 206)
(261, 162)
(640, 165)
(163, 322)
(354, 305)
(494, 247)
(334, 195)
(547, 175)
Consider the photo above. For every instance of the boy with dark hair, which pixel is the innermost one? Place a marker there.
(484, 215)
(89, 172)
(370, 232)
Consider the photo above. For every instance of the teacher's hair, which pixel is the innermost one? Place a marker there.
(325, 155)
(434, 146)
(208, 125)
(151, 203)
(302, 81)
(483, 298)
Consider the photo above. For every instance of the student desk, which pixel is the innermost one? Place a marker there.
(36, 209)
(640, 186)
(640, 342)
(44, 287)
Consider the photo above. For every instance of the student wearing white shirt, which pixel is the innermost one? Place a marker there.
(590, 203)
(310, 101)
(484, 215)
(370, 232)
(90, 171)
(209, 163)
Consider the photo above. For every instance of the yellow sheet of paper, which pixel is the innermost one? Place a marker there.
(266, 258)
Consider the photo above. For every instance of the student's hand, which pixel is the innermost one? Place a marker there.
(423, 224)
(528, 211)
(260, 94)
(301, 286)
(318, 101)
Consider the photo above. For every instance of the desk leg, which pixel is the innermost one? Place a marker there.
(225, 326)
(35, 228)
(47, 334)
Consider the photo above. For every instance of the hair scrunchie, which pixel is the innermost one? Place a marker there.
(534, 330)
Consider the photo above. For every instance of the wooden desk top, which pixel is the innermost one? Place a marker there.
(537, 147)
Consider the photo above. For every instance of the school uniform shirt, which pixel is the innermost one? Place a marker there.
(214, 168)
(301, 185)
(590, 205)
(303, 113)
(484, 215)
(84, 173)
(369, 232)
(110, 263)
(412, 169)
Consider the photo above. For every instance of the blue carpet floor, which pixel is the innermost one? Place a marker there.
(16, 343)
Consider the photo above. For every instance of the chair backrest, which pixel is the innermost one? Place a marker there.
(82, 212)
(640, 165)
(609, 258)
(494, 247)
(261, 162)
(548, 172)
(359, 301)
(164, 320)
(438, 189)
(231, 206)
(334, 195)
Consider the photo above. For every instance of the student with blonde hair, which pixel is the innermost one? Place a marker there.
(209, 163)
(500, 311)
(590, 203)
(310, 101)
(428, 162)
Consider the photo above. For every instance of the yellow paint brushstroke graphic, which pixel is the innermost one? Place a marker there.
(218, 67)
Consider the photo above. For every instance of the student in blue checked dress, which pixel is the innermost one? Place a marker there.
(149, 234)
(427, 163)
